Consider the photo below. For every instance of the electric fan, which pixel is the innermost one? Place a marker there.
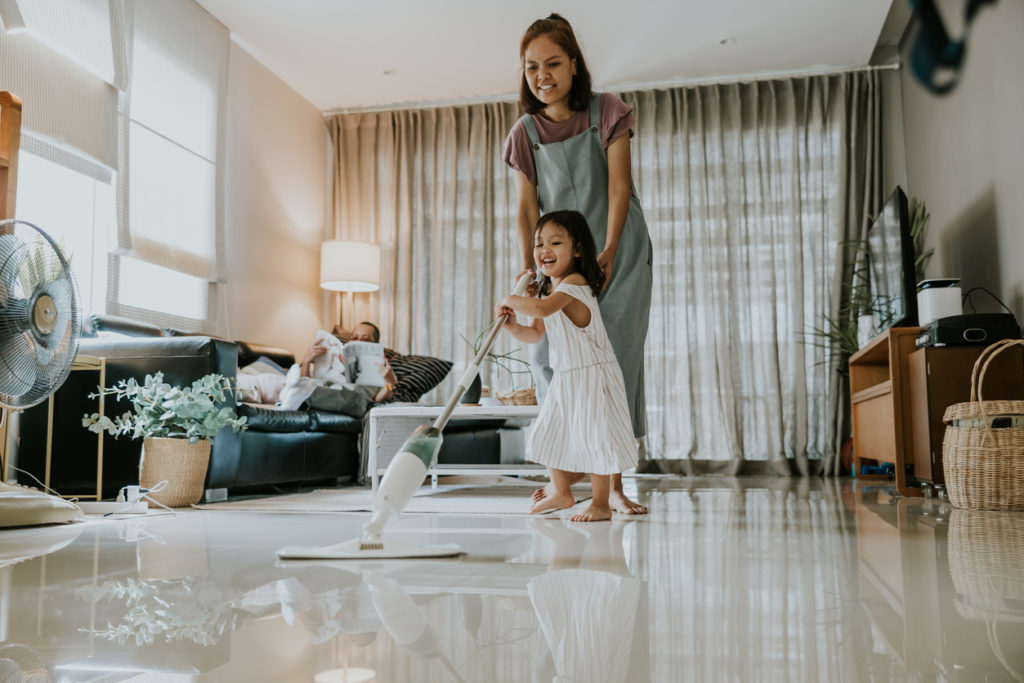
(39, 331)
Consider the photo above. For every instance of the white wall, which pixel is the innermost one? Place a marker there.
(965, 160)
(274, 199)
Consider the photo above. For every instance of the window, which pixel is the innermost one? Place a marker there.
(123, 108)
(77, 211)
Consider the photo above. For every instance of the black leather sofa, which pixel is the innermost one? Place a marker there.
(279, 448)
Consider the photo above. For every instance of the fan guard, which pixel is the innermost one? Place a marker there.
(39, 319)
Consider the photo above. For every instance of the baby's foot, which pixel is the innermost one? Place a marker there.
(556, 501)
(593, 513)
(620, 503)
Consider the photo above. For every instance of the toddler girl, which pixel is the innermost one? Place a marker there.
(584, 423)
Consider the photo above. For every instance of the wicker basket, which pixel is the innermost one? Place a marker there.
(983, 465)
(182, 464)
(518, 397)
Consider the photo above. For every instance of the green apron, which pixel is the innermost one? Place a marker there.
(573, 174)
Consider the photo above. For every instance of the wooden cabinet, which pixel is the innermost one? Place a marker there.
(940, 377)
(880, 404)
(898, 395)
(10, 140)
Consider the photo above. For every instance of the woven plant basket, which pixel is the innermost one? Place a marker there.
(180, 463)
(984, 466)
(518, 397)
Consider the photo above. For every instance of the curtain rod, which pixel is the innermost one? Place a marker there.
(626, 87)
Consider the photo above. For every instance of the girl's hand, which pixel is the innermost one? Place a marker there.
(523, 272)
(503, 310)
(606, 260)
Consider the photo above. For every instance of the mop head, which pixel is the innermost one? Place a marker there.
(356, 550)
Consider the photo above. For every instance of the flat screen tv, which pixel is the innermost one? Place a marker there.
(890, 262)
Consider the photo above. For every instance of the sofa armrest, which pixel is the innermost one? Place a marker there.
(182, 359)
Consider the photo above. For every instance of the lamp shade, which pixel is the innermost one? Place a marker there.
(349, 266)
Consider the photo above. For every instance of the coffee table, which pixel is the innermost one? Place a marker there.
(391, 425)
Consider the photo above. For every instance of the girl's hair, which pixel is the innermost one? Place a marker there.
(558, 29)
(579, 234)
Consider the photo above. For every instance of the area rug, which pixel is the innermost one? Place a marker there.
(457, 495)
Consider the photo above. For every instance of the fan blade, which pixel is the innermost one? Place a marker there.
(17, 366)
(12, 255)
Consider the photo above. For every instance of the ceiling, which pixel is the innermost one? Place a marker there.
(348, 54)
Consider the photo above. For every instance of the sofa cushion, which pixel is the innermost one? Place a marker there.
(250, 353)
(271, 420)
(336, 423)
(417, 375)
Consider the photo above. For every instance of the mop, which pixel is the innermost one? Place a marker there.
(403, 477)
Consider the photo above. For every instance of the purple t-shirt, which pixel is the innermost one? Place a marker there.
(615, 120)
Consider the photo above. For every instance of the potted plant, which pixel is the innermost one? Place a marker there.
(511, 364)
(862, 315)
(176, 425)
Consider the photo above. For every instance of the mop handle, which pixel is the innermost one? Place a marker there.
(473, 368)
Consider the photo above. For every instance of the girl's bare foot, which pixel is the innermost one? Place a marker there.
(593, 513)
(620, 503)
(543, 492)
(555, 501)
(549, 488)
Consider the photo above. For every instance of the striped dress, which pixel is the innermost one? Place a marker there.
(584, 423)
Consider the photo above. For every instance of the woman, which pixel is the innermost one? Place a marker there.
(571, 151)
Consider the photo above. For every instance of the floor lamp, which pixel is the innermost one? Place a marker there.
(351, 267)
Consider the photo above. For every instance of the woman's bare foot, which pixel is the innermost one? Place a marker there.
(620, 503)
(593, 513)
(555, 501)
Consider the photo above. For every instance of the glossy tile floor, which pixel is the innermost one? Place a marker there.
(726, 580)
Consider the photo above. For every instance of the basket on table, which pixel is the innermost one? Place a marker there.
(983, 449)
(518, 397)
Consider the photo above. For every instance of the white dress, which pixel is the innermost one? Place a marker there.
(584, 423)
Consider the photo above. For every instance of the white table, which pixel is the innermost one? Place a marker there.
(391, 425)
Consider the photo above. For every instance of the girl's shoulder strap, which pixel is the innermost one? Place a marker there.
(581, 292)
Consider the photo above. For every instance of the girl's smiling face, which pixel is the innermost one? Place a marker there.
(548, 70)
(554, 251)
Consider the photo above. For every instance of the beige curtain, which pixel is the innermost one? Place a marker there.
(748, 189)
(430, 187)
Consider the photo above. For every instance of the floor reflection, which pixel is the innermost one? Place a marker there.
(943, 588)
(727, 579)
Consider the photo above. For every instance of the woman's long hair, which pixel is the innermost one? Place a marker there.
(558, 29)
(579, 234)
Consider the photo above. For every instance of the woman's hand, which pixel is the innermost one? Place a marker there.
(606, 259)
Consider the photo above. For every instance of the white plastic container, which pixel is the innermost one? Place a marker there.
(938, 298)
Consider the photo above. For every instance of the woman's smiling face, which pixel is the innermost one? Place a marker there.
(548, 70)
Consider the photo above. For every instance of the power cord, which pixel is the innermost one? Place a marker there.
(42, 486)
(966, 299)
(131, 495)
